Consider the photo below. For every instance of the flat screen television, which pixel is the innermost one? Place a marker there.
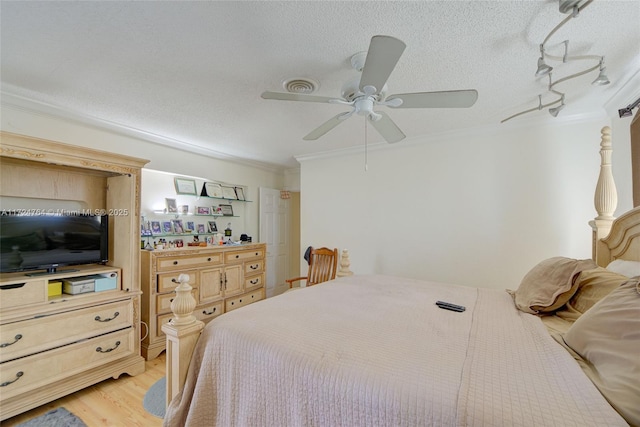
(46, 242)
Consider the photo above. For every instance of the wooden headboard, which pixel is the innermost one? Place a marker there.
(623, 241)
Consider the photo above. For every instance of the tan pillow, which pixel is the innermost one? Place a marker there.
(593, 285)
(608, 337)
(550, 284)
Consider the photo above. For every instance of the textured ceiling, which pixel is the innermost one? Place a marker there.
(193, 72)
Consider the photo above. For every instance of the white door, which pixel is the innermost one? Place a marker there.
(274, 231)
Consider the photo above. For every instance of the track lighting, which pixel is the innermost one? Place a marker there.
(554, 111)
(566, 6)
(543, 68)
(602, 78)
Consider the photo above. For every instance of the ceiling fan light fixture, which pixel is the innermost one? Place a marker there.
(300, 85)
(554, 111)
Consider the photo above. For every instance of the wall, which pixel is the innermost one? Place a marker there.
(106, 137)
(476, 210)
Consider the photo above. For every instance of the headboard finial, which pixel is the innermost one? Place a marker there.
(606, 196)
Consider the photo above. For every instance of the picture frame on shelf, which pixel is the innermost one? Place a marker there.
(172, 206)
(213, 227)
(185, 186)
(211, 189)
(240, 193)
(191, 226)
(226, 210)
(166, 227)
(201, 229)
(178, 227)
(184, 209)
(203, 210)
(229, 193)
(155, 227)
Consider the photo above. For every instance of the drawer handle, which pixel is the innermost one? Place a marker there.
(253, 282)
(100, 350)
(175, 262)
(254, 267)
(13, 286)
(99, 319)
(7, 344)
(237, 256)
(209, 313)
(256, 253)
(57, 301)
(18, 375)
(208, 259)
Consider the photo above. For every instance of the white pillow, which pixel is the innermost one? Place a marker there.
(624, 267)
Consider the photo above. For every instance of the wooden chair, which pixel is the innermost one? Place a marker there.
(323, 265)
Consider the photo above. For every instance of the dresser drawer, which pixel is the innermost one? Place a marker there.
(253, 281)
(254, 267)
(245, 299)
(179, 262)
(208, 312)
(166, 280)
(35, 335)
(204, 313)
(38, 370)
(24, 292)
(163, 302)
(234, 256)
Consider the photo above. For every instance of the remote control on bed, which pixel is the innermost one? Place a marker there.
(450, 306)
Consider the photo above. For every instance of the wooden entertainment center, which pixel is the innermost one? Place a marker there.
(55, 345)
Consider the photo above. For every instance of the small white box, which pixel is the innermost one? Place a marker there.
(78, 285)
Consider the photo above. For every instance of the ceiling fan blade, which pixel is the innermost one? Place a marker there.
(445, 99)
(285, 96)
(382, 57)
(387, 128)
(324, 128)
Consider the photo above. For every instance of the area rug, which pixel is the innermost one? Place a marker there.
(58, 417)
(155, 398)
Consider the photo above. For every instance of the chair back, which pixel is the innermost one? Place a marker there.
(323, 264)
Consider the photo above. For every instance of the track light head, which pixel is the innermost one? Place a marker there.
(602, 78)
(543, 68)
(554, 111)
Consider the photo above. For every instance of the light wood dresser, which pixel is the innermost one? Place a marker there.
(223, 278)
(51, 346)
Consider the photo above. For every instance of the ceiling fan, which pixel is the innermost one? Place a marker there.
(368, 91)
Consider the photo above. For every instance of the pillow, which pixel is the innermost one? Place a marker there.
(608, 337)
(593, 285)
(627, 268)
(549, 285)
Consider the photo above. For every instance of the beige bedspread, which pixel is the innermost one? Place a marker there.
(376, 350)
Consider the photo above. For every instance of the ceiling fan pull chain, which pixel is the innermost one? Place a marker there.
(366, 160)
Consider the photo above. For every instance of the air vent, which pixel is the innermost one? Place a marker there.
(300, 85)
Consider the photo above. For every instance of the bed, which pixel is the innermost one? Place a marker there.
(377, 350)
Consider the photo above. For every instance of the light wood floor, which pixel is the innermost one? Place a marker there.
(108, 403)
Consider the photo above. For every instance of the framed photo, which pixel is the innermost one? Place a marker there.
(178, 228)
(203, 210)
(226, 210)
(201, 228)
(155, 227)
(213, 227)
(172, 206)
(190, 226)
(184, 209)
(240, 193)
(166, 227)
(185, 186)
(229, 193)
(211, 189)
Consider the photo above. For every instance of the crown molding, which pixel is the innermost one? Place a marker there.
(43, 109)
